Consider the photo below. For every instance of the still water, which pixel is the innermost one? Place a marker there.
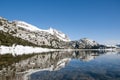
(74, 65)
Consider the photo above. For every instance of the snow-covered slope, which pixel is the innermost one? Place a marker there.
(59, 34)
(27, 26)
(51, 31)
(89, 41)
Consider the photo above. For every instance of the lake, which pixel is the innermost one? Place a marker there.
(63, 65)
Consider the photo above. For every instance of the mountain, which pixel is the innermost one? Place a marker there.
(51, 31)
(50, 38)
(8, 40)
(45, 38)
(84, 43)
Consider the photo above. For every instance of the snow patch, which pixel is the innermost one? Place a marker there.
(19, 50)
(27, 26)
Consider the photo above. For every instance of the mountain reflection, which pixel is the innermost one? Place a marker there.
(52, 60)
(87, 55)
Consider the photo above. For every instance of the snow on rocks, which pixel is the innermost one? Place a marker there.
(51, 31)
(19, 50)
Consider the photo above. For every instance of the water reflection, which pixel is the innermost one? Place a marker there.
(52, 61)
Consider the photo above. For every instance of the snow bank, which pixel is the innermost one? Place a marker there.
(19, 50)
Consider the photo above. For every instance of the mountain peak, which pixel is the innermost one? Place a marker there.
(51, 30)
(89, 41)
(59, 34)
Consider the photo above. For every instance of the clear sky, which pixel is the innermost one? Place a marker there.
(95, 19)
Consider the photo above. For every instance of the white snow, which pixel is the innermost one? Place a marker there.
(111, 46)
(27, 26)
(59, 34)
(19, 50)
(89, 41)
(51, 31)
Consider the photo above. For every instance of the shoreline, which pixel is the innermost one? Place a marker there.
(19, 49)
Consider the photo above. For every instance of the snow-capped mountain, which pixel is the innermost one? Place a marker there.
(84, 43)
(44, 38)
(52, 31)
(88, 41)
(51, 38)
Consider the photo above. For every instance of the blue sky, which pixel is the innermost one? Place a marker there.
(95, 19)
